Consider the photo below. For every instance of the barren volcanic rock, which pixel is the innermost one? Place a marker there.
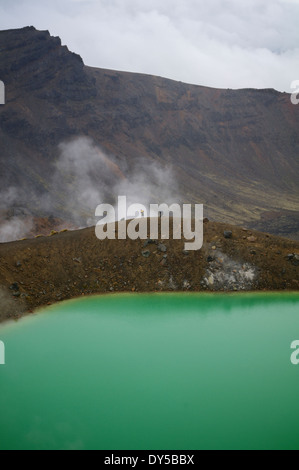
(35, 273)
(234, 151)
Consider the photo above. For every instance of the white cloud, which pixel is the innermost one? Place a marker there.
(220, 43)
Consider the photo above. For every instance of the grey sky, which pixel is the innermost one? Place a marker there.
(218, 43)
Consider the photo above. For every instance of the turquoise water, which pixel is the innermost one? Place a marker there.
(175, 372)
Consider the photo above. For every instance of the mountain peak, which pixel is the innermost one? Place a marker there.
(32, 60)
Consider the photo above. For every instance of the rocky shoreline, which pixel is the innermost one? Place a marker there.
(42, 271)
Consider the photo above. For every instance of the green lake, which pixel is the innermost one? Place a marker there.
(153, 372)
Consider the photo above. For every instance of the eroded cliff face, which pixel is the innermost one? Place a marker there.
(234, 151)
(33, 61)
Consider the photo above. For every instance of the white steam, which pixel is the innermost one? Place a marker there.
(89, 178)
(84, 177)
(14, 221)
(15, 229)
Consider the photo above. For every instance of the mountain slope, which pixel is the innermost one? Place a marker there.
(235, 151)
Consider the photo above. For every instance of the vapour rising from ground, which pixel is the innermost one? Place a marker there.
(84, 176)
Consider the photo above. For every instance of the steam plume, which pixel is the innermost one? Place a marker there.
(84, 176)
